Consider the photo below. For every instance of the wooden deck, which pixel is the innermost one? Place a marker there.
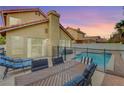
(53, 76)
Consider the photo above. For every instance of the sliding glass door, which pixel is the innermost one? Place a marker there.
(28, 47)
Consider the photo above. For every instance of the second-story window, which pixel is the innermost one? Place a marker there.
(14, 21)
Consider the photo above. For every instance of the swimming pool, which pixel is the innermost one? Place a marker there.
(97, 58)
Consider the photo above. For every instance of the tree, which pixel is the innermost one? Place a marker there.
(115, 38)
(120, 28)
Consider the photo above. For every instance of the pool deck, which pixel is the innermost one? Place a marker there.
(112, 80)
(98, 79)
(118, 65)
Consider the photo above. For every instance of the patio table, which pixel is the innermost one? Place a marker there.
(52, 76)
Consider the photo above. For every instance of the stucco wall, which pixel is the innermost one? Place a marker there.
(35, 31)
(63, 35)
(25, 17)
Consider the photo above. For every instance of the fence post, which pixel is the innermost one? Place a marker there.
(57, 51)
(65, 53)
(74, 51)
(104, 60)
(87, 51)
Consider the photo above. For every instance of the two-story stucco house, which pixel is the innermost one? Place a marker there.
(30, 33)
(77, 34)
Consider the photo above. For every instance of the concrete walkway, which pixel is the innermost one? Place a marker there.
(112, 80)
(118, 64)
(10, 79)
(98, 79)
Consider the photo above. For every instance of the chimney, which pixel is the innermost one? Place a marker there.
(53, 17)
(54, 32)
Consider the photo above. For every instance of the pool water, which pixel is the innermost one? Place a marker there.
(97, 58)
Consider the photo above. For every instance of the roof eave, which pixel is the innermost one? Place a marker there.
(22, 25)
(67, 32)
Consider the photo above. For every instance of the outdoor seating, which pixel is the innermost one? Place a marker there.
(77, 81)
(2, 51)
(57, 60)
(88, 73)
(39, 64)
(84, 79)
(86, 60)
(11, 63)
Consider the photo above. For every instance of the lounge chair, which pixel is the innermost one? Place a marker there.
(88, 73)
(77, 81)
(11, 63)
(86, 60)
(84, 79)
(39, 64)
(2, 51)
(57, 60)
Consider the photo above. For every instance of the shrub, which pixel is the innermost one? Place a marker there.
(2, 40)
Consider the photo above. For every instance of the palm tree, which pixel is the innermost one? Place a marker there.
(120, 28)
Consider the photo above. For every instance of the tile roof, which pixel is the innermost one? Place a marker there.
(67, 32)
(5, 29)
(9, 11)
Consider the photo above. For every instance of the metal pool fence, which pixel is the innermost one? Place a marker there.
(115, 64)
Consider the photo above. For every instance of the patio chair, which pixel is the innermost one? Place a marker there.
(88, 73)
(39, 64)
(2, 51)
(57, 60)
(86, 60)
(84, 79)
(77, 81)
(11, 63)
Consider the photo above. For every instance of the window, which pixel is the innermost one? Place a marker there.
(37, 47)
(28, 47)
(65, 43)
(62, 43)
(68, 43)
(17, 45)
(14, 21)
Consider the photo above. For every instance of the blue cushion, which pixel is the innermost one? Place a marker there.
(27, 63)
(57, 60)
(2, 62)
(89, 70)
(70, 83)
(39, 64)
(78, 80)
(14, 63)
(17, 65)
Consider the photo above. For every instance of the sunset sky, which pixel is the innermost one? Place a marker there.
(93, 20)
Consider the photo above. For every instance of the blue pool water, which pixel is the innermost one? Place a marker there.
(97, 58)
